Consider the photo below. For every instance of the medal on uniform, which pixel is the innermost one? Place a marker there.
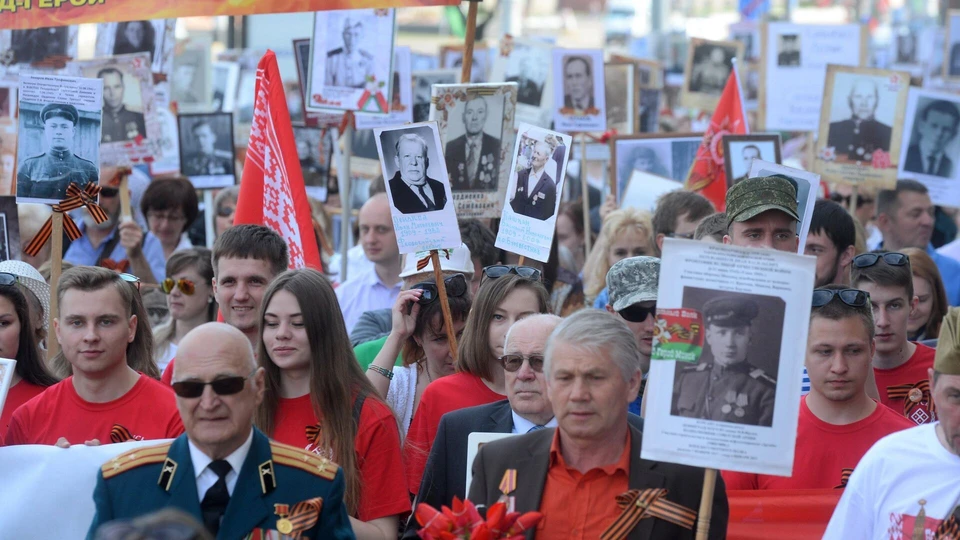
(741, 403)
(730, 398)
(283, 524)
(915, 395)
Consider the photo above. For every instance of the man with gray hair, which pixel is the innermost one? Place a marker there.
(536, 191)
(473, 159)
(412, 191)
(857, 137)
(574, 474)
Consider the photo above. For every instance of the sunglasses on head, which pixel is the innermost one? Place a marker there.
(499, 270)
(7, 279)
(513, 362)
(226, 386)
(850, 297)
(892, 258)
(637, 313)
(130, 278)
(456, 286)
(186, 286)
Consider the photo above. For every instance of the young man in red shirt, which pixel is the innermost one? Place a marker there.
(107, 398)
(839, 422)
(246, 258)
(900, 366)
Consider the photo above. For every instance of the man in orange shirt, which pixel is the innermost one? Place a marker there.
(574, 474)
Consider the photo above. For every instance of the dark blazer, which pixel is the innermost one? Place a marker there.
(541, 203)
(915, 164)
(568, 101)
(530, 455)
(846, 137)
(407, 202)
(146, 479)
(488, 164)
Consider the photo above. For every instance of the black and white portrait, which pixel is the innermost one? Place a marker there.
(123, 118)
(226, 79)
(539, 177)
(349, 63)
(741, 150)
(862, 112)
(154, 37)
(206, 149)
(933, 139)
(316, 154)
(423, 82)
(649, 110)
(472, 151)
(526, 67)
(619, 87)
(415, 169)
(38, 44)
(952, 47)
(136, 36)
(710, 67)
(906, 43)
(578, 88)
(788, 50)
(669, 157)
(190, 82)
(452, 58)
(735, 379)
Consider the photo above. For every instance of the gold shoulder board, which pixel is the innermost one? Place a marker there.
(291, 456)
(132, 459)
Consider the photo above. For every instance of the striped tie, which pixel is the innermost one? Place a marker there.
(535, 428)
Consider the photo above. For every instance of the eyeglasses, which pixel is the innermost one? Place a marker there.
(456, 286)
(186, 286)
(130, 278)
(109, 192)
(227, 386)
(172, 218)
(850, 297)
(7, 279)
(513, 362)
(225, 211)
(637, 313)
(892, 258)
(499, 270)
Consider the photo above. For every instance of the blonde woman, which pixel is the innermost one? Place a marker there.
(627, 232)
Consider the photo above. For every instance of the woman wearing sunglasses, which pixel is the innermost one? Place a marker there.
(30, 375)
(420, 335)
(189, 290)
(316, 397)
(506, 294)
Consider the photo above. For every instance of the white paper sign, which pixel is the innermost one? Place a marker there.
(401, 96)
(644, 189)
(741, 416)
(930, 151)
(579, 101)
(474, 441)
(807, 184)
(7, 367)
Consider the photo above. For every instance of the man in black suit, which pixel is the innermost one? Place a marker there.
(536, 193)
(413, 192)
(473, 159)
(592, 366)
(857, 137)
(936, 129)
(577, 83)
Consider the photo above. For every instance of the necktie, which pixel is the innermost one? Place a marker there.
(430, 205)
(930, 161)
(215, 501)
(535, 428)
(472, 161)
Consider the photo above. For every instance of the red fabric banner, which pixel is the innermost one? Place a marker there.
(781, 514)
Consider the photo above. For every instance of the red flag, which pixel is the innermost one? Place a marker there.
(272, 192)
(707, 175)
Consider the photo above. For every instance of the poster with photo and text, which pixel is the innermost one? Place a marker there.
(929, 146)
(578, 91)
(401, 96)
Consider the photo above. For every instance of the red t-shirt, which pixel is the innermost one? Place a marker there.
(451, 393)
(19, 394)
(913, 372)
(824, 452)
(167, 376)
(377, 447)
(148, 411)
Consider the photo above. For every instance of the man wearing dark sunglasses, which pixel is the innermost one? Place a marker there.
(223, 470)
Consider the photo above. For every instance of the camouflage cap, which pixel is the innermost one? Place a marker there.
(62, 110)
(730, 311)
(753, 196)
(632, 281)
(947, 359)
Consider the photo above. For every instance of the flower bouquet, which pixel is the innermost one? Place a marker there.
(463, 522)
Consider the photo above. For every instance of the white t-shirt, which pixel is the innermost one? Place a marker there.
(901, 475)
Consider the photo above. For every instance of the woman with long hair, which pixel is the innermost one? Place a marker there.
(316, 397)
(419, 333)
(627, 232)
(30, 375)
(924, 321)
(189, 290)
(506, 295)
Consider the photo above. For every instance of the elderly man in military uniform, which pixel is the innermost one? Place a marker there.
(857, 137)
(728, 388)
(119, 123)
(349, 66)
(47, 176)
(208, 161)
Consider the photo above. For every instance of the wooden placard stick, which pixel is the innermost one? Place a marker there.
(706, 504)
(585, 194)
(444, 304)
(521, 260)
(56, 267)
(343, 173)
(470, 37)
(209, 217)
(125, 210)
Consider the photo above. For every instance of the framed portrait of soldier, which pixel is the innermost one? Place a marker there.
(58, 141)
(739, 151)
(207, 150)
(665, 155)
(351, 60)
(525, 62)
(131, 128)
(423, 82)
(34, 47)
(154, 37)
(709, 65)
(622, 95)
(10, 225)
(951, 51)
(860, 127)
(401, 96)
(226, 80)
(301, 55)
(411, 159)
(476, 130)
(451, 57)
(578, 91)
(315, 152)
(929, 147)
(537, 173)
(190, 82)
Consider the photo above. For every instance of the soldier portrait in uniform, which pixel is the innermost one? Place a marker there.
(423, 82)
(350, 64)
(735, 379)
(906, 48)
(788, 50)
(472, 150)
(860, 117)
(315, 153)
(524, 67)
(206, 149)
(935, 124)
(741, 150)
(190, 82)
(44, 177)
(38, 44)
(122, 120)
(711, 67)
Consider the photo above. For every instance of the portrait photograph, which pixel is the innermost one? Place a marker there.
(423, 82)
(154, 37)
(401, 96)
(930, 146)
(739, 151)
(226, 79)
(206, 149)
(905, 47)
(351, 60)
(524, 62)
(788, 50)
(709, 64)
(747, 33)
(579, 95)
(190, 83)
(951, 52)
(8, 99)
(621, 96)
(648, 110)
(664, 155)
(451, 57)
(19, 47)
(741, 334)
(58, 140)
(316, 155)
